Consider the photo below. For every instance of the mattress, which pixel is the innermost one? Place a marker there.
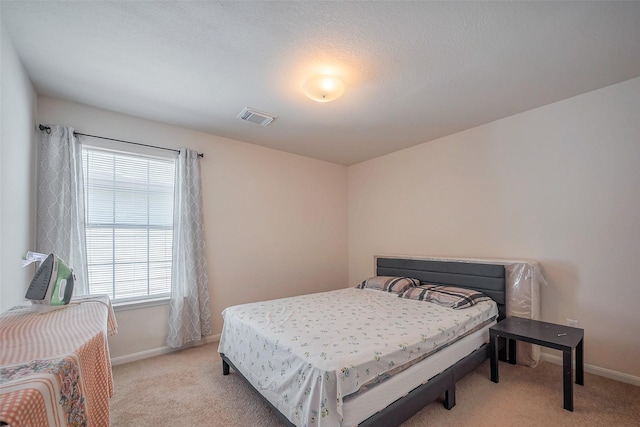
(363, 406)
(308, 354)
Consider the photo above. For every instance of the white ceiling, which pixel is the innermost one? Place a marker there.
(414, 71)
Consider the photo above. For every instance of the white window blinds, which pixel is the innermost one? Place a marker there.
(129, 223)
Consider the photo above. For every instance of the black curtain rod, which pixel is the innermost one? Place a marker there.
(48, 129)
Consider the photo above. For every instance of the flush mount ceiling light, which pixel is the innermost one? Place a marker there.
(323, 88)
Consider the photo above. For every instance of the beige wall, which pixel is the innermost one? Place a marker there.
(17, 165)
(558, 184)
(276, 223)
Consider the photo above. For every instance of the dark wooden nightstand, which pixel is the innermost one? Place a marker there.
(559, 337)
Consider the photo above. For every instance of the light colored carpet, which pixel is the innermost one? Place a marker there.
(187, 388)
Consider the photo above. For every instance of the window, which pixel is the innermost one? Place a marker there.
(129, 223)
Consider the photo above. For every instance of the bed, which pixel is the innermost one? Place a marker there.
(354, 362)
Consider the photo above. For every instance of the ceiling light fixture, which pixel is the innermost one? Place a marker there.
(323, 88)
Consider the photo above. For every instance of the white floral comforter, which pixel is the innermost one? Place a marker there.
(306, 353)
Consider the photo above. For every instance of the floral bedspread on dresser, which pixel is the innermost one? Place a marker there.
(55, 368)
(31, 385)
(306, 354)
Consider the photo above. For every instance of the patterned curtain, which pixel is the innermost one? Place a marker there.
(189, 312)
(60, 211)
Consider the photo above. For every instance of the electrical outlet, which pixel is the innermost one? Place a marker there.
(572, 322)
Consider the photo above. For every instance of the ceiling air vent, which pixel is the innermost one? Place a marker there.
(255, 116)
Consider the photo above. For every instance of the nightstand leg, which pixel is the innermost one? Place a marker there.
(512, 351)
(580, 362)
(493, 355)
(567, 382)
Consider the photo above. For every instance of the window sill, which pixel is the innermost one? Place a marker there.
(132, 305)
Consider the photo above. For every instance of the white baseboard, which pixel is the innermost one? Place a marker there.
(596, 370)
(158, 351)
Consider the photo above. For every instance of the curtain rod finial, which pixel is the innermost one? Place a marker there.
(42, 127)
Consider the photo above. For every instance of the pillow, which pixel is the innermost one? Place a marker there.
(389, 284)
(446, 296)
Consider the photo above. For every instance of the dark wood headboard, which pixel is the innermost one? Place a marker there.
(486, 278)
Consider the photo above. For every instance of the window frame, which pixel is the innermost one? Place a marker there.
(135, 151)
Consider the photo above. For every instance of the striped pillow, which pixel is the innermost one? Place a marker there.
(446, 296)
(389, 284)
